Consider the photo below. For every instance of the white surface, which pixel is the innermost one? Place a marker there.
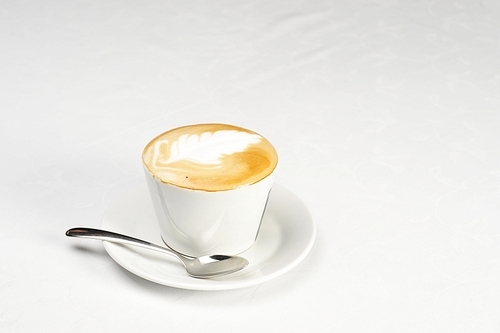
(385, 115)
(286, 236)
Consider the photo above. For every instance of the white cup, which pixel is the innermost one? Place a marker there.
(196, 219)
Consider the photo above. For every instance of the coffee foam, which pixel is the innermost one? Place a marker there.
(210, 157)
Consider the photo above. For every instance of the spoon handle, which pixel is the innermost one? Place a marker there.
(114, 237)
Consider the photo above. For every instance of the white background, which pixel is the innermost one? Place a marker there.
(386, 116)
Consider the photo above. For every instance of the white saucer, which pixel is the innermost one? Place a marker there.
(286, 235)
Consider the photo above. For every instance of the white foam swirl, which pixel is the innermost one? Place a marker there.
(207, 148)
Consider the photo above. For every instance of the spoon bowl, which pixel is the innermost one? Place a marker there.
(198, 267)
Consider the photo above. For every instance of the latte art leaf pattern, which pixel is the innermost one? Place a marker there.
(207, 148)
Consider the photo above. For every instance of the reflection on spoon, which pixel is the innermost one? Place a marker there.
(202, 267)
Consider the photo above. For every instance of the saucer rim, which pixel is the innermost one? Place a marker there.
(280, 197)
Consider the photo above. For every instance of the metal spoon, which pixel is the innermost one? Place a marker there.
(202, 267)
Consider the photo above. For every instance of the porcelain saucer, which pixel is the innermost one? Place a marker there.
(286, 235)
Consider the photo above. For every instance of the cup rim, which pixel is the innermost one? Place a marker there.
(155, 177)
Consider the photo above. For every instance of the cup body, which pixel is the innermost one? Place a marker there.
(197, 222)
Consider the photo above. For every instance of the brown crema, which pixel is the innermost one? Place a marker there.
(210, 157)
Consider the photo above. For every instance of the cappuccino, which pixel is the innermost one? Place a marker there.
(209, 157)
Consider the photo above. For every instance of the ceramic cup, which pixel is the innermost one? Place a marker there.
(209, 185)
